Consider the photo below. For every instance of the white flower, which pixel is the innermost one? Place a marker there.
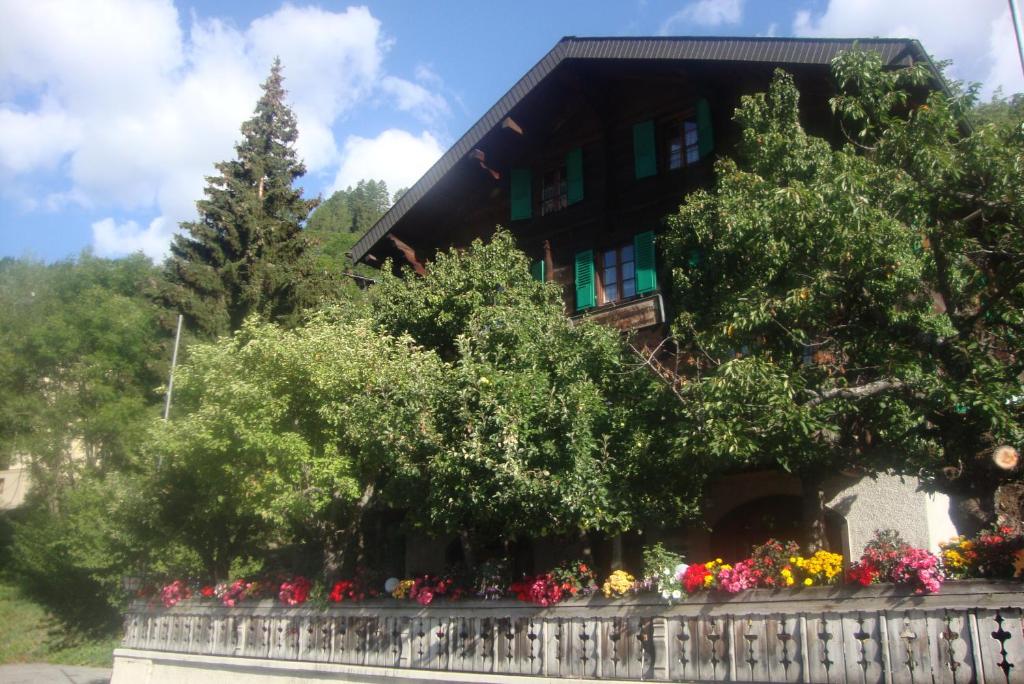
(668, 573)
(666, 594)
(677, 594)
(680, 570)
(390, 584)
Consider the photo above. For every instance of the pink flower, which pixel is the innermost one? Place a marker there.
(738, 578)
(424, 597)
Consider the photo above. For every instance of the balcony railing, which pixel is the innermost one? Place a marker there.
(970, 632)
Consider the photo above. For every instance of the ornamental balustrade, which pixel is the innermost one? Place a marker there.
(970, 632)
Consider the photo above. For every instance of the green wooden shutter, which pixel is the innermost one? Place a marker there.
(537, 270)
(646, 273)
(574, 175)
(705, 134)
(645, 158)
(585, 294)
(521, 200)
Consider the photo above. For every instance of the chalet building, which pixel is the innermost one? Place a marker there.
(581, 160)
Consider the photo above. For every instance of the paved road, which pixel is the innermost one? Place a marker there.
(40, 673)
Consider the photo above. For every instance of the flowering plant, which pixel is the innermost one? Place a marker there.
(576, 578)
(294, 591)
(990, 553)
(207, 591)
(823, 567)
(700, 576)
(618, 584)
(492, 579)
(769, 560)
(543, 590)
(402, 590)
(426, 588)
(738, 577)
(175, 592)
(887, 558)
(664, 571)
(231, 594)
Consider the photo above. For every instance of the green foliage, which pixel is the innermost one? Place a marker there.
(81, 352)
(247, 252)
(278, 432)
(547, 426)
(28, 634)
(842, 304)
(660, 562)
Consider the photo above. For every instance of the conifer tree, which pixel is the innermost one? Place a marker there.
(246, 253)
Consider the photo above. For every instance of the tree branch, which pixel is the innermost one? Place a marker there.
(857, 392)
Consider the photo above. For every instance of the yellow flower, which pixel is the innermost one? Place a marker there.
(790, 581)
(619, 583)
(402, 590)
(808, 582)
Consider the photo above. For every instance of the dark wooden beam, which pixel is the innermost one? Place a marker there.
(509, 124)
(410, 255)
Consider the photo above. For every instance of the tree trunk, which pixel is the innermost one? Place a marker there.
(468, 557)
(814, 512)
(337, 541)
(586, 550)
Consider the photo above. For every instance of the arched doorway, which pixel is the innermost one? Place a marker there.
(768, 517)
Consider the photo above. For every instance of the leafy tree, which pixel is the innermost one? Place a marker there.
(282, 435)
(546, 425)
(81, 352)
(859, 305)
(335, 227)
(247, 252)
(368, 201)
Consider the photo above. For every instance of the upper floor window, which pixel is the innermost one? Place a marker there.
(560, 186)
(554, 194)
(679, 142)
(683, 143)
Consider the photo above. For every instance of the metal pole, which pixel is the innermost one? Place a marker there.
(170, 383)
(174, 362)
(1019, 30)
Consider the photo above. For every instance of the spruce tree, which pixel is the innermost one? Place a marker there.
(247, 252)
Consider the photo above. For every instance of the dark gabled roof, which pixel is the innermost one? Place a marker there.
(894, 52)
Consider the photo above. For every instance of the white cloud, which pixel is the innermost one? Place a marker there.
(113, 239)
(704, 13)
(411, 97)
(395, 156)
(126, 111)
(979, 39)
(35, 140)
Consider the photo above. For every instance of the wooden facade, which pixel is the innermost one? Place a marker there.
(584, 158)
(595, 146)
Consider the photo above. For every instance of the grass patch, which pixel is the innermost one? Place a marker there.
(28, 634)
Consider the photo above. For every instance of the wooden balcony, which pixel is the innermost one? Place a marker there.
(970, 632)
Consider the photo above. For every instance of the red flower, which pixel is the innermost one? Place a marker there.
(693, 579)
(863, 574)
(207, 592)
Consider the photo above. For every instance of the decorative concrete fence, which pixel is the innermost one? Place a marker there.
(971, 632)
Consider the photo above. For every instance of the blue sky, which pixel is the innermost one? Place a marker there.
(112, 111)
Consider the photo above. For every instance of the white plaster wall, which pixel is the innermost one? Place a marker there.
(16, 485)
(889, 502)
(154, 667)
